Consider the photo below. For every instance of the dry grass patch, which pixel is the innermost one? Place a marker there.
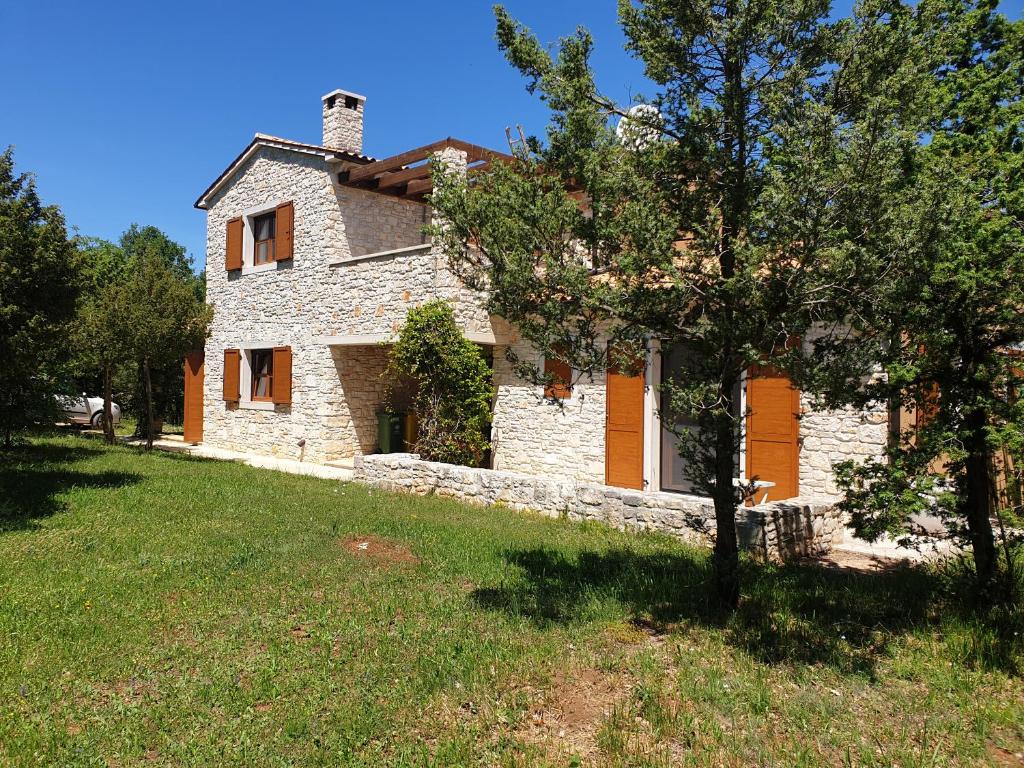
(566, 717)
(378, 550)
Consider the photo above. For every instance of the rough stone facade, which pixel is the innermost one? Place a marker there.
(343, 121)
(829, 437)
(360, 261)
(543, 438)
(779, 531)
(328, 288)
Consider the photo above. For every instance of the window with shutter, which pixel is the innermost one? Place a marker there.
(233, 253)
(282, 365)
(285, 215)
(560, 373)
(232, 375)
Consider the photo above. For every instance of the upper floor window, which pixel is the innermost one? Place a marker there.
(260, 237)
(264, 231)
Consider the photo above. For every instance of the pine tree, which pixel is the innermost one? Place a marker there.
(945, 318)
(734, 200)
(39, 288)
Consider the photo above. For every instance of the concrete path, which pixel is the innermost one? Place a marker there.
(175, 444)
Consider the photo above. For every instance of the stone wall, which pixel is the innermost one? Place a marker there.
(329, 288)
(539, 437)
(829, 437)
(367, 222)
(352, 425)
(777, 531)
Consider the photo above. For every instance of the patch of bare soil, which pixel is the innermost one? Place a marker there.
(379, 550)
(573, 710)
(1005, 758)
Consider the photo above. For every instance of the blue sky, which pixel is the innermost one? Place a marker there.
(127, 111)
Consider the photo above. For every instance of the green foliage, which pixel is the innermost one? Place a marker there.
(738, 198)
(165, 317)
(945, 313)
(111, 328)
(451, 381)
(39, 286)
(882, 496)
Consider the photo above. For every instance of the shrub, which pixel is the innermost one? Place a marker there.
(451, 382)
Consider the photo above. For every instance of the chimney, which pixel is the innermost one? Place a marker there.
(343, 121)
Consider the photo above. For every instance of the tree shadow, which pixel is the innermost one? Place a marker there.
(33, 478)
(798, 613)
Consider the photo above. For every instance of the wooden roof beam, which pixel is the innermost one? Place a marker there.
(473, 152)
(400, 177)
(419, 187)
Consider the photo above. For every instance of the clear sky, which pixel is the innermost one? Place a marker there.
(127, 111)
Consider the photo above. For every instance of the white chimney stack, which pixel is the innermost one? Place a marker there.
(343, 121)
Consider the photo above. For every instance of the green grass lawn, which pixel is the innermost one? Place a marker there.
(162, 610)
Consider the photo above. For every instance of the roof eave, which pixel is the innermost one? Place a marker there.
(262, 140)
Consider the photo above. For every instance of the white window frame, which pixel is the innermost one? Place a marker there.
(249, 265)
(652, 424)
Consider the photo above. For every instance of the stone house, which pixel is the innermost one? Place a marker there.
(314, 255)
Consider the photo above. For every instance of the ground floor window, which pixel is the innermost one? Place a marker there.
(262, 374)
(675, 475)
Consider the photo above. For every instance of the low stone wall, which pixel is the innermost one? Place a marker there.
(777, 531)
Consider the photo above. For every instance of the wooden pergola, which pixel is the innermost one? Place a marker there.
(407, 175)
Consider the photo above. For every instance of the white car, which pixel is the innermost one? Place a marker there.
(87, 410)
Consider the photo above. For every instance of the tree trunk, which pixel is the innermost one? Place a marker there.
(727, 552)
(977, 495)
(108, 411)
(147, 383)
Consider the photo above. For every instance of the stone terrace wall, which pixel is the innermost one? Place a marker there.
(779, 531)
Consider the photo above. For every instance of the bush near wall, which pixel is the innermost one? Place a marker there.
(451, 381)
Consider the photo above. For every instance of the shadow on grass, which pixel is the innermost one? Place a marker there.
(799, 614)
(32, 478)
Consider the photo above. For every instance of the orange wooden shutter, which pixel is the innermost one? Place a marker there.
(233, 258)
(561, 387)
(624, 426)
(194, 372)
(773, 431)
(232, 375)
(281, 392)
(285, 228)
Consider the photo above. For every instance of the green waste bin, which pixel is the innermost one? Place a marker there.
(389, 432)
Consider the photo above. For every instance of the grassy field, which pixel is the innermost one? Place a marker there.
(161, 610)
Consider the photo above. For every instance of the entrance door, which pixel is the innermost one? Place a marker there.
(624, 430)
(194, 373)
(773, 431)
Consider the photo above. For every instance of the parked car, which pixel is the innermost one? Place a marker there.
(87, 410)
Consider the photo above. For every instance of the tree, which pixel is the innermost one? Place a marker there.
(740, 192)
(167, 380)
(163, 319)
(99, 333)
(946, 316)
(451, 382)
(39, 284)
(103, 340)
